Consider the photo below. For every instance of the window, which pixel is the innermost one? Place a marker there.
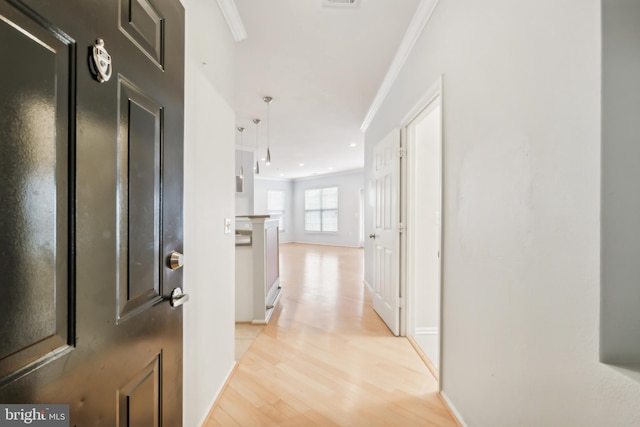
(321, 209)
(275, 206)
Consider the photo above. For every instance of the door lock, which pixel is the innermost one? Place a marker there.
(175, 260)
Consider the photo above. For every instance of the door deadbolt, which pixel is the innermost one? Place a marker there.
(175, 260)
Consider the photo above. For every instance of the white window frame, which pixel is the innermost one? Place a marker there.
(322, 210)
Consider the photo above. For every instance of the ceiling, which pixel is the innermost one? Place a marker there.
(323, 67)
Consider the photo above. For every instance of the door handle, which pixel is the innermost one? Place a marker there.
(177, 297)
(372, 236)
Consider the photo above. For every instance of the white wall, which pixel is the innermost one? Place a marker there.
(211, 48)
(521, 111)
(349, 185)
(261, 187)
(209, 199)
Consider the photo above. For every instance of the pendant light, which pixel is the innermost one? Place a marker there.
(268, 100)
(257, 122)
(241, 130)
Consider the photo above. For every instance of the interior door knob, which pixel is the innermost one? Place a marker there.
(175, 260)
(372, 236)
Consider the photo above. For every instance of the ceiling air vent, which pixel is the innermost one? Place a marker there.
(339, 3)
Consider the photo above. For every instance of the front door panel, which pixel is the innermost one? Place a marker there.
(34, 143)
(139, 146)
(94, 210)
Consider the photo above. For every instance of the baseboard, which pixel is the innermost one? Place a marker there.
(452, 409)
(427, 331)
(424, 358)
(216, 397)
(323, 244)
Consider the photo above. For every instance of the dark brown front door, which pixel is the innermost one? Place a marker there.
(91, 209)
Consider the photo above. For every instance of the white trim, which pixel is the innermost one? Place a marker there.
(453, 409)
(312, 177)
(426, 331)
(407, 317)
(423, 14)
(425, 100)
(231, 15)
(321, 244)
(330, 174)
(364, 282)
(432, 97)
(217, 394)
(245, 149)
(269, 178)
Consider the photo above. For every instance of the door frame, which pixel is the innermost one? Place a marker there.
(407, 215)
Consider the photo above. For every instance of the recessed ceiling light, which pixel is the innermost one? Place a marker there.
(330, 168)
(353, 144)
(301, 164)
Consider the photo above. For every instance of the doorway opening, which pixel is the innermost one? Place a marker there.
(422, 213)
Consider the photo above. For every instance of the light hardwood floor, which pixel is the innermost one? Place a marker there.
(326, 358)
(246, 333)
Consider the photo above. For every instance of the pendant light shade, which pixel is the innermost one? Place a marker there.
(257, 122)
(241, 175)
(268, 100)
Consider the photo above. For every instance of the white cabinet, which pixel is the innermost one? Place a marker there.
(257, 268)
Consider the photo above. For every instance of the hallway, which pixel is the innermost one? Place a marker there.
(326, 358)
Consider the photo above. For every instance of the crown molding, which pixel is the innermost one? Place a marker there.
(329, 175)
(245, 149)
(231, 15)
(423, 14)
(272, 178)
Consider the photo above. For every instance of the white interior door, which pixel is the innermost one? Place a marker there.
(361, 219)
(386, 241)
